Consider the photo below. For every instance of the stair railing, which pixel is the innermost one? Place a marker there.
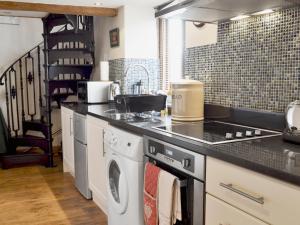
(23, 89)
(24, 84)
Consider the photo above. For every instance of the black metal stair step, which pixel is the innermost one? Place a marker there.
(60, 97)
(29, 141)
(69, 53)
(54, 84)
(36, 125)
(68, 36)
(68, 50)
(54, 20)
(17, 160)
(53, 16)
(55, 70)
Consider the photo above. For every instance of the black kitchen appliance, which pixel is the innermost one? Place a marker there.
(189, 167)
(216, 132)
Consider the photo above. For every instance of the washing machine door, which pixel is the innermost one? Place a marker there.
(117, 184)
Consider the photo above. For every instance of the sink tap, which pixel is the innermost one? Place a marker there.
(137, 88)
(144, 68)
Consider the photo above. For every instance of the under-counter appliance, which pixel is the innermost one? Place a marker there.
(93, 92)
(125, 176)
(216, 132)
(187, 100)
(189, 167)
(80, 156)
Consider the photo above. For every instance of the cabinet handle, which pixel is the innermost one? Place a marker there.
(230, 187)
(103, 145)
(71, 121)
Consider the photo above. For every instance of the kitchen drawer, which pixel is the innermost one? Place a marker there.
(221, 213)
(268, 199)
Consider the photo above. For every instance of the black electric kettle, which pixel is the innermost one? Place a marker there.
(292, 115)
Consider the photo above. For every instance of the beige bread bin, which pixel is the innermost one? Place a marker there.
(187, 100)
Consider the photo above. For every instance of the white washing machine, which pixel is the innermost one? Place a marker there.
(125, 172)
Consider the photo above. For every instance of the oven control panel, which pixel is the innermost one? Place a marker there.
(176, 157)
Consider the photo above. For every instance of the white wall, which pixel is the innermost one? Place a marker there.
(102, 27)
(141, 38)
(200, 36)
(138, 35)
(15, 40)
(103, 51)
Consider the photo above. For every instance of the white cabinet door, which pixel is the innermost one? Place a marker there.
(67, 140)
(96, 160)
(266, 198)
(221, 213)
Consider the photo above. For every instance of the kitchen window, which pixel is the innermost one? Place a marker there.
(171, 50)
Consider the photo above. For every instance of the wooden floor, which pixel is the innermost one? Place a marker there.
(42, 196)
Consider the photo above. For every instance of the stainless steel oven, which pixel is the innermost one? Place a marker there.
(189, 167)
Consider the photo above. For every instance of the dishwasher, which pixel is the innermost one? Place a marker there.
(80, 156)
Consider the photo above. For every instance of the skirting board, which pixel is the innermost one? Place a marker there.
(99, 199)
(67, 168)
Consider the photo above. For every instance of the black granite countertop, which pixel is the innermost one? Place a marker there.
(269, 156)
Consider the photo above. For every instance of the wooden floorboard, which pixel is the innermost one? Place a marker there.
(42, 196)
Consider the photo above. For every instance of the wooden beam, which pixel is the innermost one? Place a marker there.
(58, 9)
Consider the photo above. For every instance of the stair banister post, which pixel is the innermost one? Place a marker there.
(7, 105)
(48, 97)
(40, 75)
(22, 89)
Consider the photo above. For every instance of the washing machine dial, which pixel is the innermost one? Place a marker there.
(114, 140)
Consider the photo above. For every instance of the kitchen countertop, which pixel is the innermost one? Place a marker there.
(270, 156)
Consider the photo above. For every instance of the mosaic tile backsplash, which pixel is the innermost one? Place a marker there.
(255, 63)
(118, 67)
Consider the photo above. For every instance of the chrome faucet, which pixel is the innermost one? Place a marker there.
(144, 68)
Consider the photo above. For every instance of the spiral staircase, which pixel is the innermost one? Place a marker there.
(39, 81)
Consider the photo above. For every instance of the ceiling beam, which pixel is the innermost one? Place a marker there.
(58, 9)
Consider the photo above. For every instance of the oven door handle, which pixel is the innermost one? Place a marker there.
(231, 187)
(182, 183)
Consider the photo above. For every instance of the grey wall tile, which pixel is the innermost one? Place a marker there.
(135, 74)
(255, 63)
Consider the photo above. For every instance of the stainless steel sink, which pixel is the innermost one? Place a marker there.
(145, 117)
